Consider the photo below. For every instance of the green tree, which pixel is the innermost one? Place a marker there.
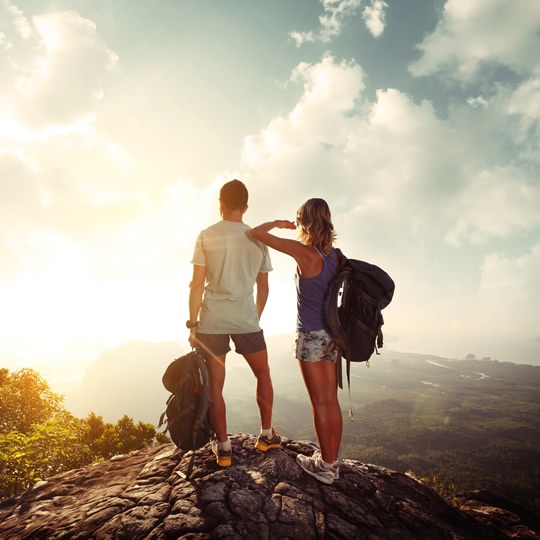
(49, 448)
(40, 438)
(26, 399)
(106, 440)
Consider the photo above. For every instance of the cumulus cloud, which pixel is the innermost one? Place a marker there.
(330, 89)
(332, 21)
(374, 17)
(22, 25)
(473, 34)
(408, 189)
(52, 156)
(400, 153)
(525, 100)
(496, 203)
(82, 230)
(511, 285)
(65, 78)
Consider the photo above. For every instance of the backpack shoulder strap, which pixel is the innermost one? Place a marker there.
(200, 362)
(343, 270)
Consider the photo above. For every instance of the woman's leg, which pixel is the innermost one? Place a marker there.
(216, 366)
(321, 383)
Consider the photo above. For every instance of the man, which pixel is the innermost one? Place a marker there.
(230, 262)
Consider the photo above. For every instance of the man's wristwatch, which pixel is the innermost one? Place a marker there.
(191, 324)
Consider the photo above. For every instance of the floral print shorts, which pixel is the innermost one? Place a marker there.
(315, 346)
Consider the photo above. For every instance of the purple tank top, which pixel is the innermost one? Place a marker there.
(313, 296)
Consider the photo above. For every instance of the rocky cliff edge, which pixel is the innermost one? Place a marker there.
(145, 494)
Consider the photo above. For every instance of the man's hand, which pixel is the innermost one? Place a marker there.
(193, 337)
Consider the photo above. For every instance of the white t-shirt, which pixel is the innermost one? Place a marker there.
(233, 260)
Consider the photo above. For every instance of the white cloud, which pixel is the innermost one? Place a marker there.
(59, 83)
(335, 14)
(510, 291)
(302, 37)
(374, 17)
(480, 33)
(409, 190)
(449, 173)
(476, 102)
(497, 203)
(83, 233)
(52, 156)
(524, 106)
(525, 101)
(330, 90)
(21, 22)
(335, 139)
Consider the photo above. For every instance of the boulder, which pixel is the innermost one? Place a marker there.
(145, 494)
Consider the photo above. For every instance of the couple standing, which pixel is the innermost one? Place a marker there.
(228, 260)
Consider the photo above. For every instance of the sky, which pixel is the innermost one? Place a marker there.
(417, 121)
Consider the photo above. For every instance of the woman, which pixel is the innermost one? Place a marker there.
(316, 350)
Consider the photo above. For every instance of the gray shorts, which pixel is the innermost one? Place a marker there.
(316, 346)
(218, 344)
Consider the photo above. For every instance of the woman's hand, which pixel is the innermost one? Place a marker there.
(290, 247)
(259, 231)
(284, 224)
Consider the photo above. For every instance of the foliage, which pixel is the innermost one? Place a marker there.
(26, 399)
(47, 449)
(106, 440)
(444, 489)
(40, 438)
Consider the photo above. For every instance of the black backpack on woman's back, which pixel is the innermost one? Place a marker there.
(360, 291)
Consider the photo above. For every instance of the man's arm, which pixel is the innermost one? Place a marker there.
(196, 289)
(262, 292)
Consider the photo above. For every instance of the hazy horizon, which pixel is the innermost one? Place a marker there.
(127, 379)
(119, 121)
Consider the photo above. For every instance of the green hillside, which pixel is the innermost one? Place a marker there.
(472, 423)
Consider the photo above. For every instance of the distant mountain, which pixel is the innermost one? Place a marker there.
(125, 380)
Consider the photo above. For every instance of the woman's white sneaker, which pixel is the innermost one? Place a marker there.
(315, 468)
(334, 469)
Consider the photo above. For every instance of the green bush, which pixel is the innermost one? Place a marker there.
(40, 438)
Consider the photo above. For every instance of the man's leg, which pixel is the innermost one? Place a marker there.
(216, 366)
(258, 362)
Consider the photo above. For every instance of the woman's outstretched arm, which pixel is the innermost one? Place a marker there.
(308, 260)
(262, 234)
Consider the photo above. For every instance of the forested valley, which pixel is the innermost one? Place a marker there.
(456, 424)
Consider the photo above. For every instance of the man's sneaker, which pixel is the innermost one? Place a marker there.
(223, 457)
(264, 443)
(315, 467)
(334, 469)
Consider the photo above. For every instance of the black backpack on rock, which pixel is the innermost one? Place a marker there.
(189, 415)
(360, 291)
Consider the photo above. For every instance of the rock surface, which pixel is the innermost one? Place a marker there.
(261, 496)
